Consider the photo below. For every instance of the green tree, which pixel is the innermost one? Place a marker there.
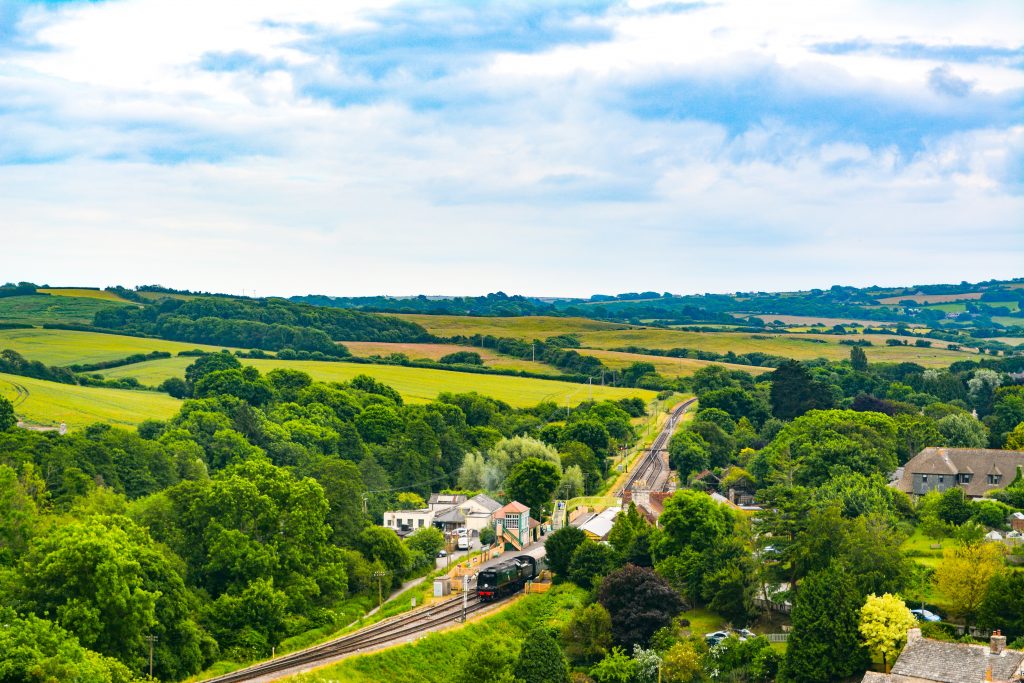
(587, 634)
(383, 545)
(884, 622)
(559, 548)
(616, 667)
(428, 540)
(794, 391)
(688, 453)
(681, 664)
(7, 417)
(533, 483)
(1003, 605)
(858, 359)
(824, 644)
(1014, 440)
(488, 661)
(540, 659)
(960, 430)
(964, 575)
(590, 562)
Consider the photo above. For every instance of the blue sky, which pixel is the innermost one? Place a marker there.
(543, 148)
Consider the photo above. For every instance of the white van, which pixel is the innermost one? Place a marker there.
(463, 543)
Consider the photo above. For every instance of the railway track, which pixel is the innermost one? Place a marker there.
(651, 468)
(389, 631)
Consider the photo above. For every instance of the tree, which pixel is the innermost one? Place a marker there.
(965, 573)
(884, 622)
(488, 661)
(1003, 605)
(616, 667)
(560, 546)
(688, 453)
(1014, 440)
(429, 541)
(794, 391)
(960, 430)
(639, 602)
(681, 664)
(540, 660)
(590, 562)
(824, 644)
(408, 500)
(573, 483)
(533, 483)
(383, 545)
(587, 635)
(953, 506)
(858, 359)
(7, 418)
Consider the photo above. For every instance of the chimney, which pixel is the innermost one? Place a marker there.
(997, 645)
(913, 634)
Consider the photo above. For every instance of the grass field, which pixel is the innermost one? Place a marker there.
(930, 298)
(437, 657)
(669, 367)
(490, 357)
(527, 327)
(84, 293)
(50, 403)
(37, 309)
(417, 385)
(66, 347)
(598, 335)
(811, 320)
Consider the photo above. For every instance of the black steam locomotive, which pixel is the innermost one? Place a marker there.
(507, 577)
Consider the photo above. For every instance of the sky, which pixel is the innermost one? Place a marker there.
(542, 148)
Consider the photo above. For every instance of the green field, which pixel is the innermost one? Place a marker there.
(50, 403)
(83, 292)
(417, 385)
(38, 309)
(599, 335)
(490, 357)
(811, 320)
(669, 367)
(66, 347)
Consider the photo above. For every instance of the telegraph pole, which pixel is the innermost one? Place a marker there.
(380, 595)
(465, 594)
(150, 638)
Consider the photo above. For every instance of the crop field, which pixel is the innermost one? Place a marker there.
(84, 293)
(598, 335)
(1012, 341)
(490, 357)
(930, 298)
(417, 385)
(66, 347)
(37, 309)
(50, 403)
(527, 327)
(811, 320)
(669, 367)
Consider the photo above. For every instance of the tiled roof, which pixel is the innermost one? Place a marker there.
(485, 501)
(514, 506)
(934, 660)
(875, 677)
(977, 461)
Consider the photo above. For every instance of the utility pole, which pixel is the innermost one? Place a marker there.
(380, 595)
(465, 595)
(150, 638)
(534, 346)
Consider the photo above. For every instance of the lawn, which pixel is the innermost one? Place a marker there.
(50, 403)
(37, 309)
(490, 357)
(66, 347)
(669, 367)
(417, 385)
(438, 656)
(85, 293)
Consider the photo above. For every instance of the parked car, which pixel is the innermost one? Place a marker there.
(925, 615)
(716, 637)
(745, 634)
(443, 553)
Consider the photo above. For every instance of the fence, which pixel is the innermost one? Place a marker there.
(777, 637)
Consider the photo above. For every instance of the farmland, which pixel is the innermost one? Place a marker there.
(65, 347)
(39, 309)
(49, 403)
(417, 385)
(84, 293)
(414, 351)
(931, 298)
(809, 320)
(528, 328)
(669, 367)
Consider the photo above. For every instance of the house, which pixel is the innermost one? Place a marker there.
(404, 522)
(597, 527)
(924, 660)
(1017, 521)
(976, 470)
(444, 501)
(514, 527)
(473, 514)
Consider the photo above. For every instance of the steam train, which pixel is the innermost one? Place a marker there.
(507, 577)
